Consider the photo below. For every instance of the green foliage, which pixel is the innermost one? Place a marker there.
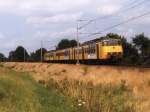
(18, 54)
(113, 36)
(130, 53)
(2, 57)
(143, 44)
(65, 43)
(20, 93)
(36, 56)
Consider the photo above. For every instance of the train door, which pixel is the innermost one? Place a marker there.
(92, 51)
(97, 50)
(83, 53)
(66, 54)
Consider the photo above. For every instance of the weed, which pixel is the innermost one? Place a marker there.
(2, 94)
(1, 65)
(33, 66)
(49, 65)
(100, 98)
(57, 73)
(85, 70)
(149, 82)
(64, 71)
(42, 82)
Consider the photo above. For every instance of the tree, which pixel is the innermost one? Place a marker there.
(65, 43)
(11, 55)
(142, 43)
(18, 54)
(113, 36)
(130, 55)
(36, 56)
(73, 43)
(2, 57)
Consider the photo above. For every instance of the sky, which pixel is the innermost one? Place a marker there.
(27, 22)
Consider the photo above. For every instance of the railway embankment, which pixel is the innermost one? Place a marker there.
(134, 77)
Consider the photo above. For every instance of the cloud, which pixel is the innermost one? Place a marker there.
(2, 35)
(60, 18)
(28, 7)
(108, 9)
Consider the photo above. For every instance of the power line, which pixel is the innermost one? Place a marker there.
(136, 5)
(104, 17)
(124, 22)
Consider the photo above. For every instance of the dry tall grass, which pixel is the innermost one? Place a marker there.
(99, 98)
(102, 77)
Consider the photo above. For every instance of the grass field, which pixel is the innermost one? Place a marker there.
(20, 93)
(69, 88)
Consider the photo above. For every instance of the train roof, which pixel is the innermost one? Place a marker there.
(85, 43)
(95, 40)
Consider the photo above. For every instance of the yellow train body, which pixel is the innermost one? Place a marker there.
(102, 50)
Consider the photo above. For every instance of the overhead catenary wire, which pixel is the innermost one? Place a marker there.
(107, 16)
(124, 22)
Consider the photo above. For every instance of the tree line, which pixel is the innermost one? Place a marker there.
(20, 54)
(136, 52)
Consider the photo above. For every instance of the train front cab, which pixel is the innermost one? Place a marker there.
(110, 49)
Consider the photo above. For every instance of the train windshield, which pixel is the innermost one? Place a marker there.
(111, 42)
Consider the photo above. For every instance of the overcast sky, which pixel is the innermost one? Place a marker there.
(27, 22)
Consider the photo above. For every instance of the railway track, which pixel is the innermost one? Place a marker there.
(113, 65)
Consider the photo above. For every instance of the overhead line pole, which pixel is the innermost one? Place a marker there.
(11, 57)
(78, 62)
(78, 43)
(41, 51)
(24, 55)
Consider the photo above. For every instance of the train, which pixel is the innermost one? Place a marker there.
(94, 51)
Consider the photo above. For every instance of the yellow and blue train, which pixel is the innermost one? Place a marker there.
(94, 51)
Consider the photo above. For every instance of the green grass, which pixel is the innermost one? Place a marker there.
(20, 93)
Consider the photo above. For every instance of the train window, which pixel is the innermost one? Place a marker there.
(111, 42)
